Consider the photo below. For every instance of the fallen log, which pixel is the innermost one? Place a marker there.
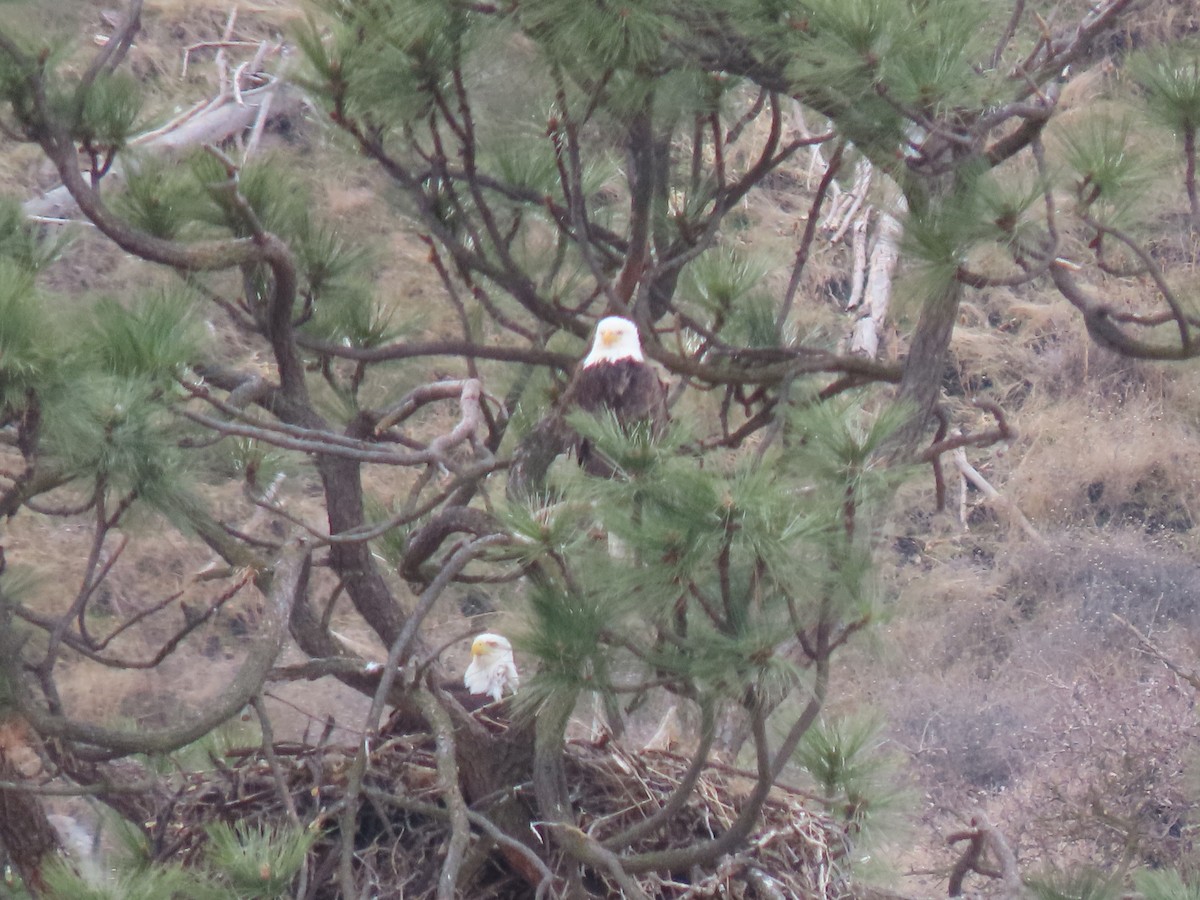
(235, 111)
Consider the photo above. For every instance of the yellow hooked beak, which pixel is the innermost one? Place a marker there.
(480, 647)
(609, 336)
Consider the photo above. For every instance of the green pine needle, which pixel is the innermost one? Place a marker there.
(110, 110)
(160, 196)
(1111, 171)
(527, 163)
(257, 860)
(326, 256)
(160, 881)
(29, 346)
(565, 636)
(347, 312)
(21, 242)
(154, 339)
(719, 278)
(627, 36)
(1170, 78)
(114, 432)
(852, 767)
(633, 448)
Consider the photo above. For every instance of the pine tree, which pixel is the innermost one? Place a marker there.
(561, 161)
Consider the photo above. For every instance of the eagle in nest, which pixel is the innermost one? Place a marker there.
(492, 670)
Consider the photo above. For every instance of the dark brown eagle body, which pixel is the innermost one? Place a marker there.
(614, 377)
(627, 388)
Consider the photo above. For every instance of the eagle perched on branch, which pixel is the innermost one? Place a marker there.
(615, 377)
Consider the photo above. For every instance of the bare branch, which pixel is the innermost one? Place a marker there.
(983, 837)
(268, 749)
(114, 50)
(1191, 676)
(287, 581)
(1103, 326)
(448, 781)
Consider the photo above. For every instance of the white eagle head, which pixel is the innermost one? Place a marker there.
(616, 339)
(492, 670)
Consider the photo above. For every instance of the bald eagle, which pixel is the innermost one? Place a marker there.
(492, 670)
(615, 377)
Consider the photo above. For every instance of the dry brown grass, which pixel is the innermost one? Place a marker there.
(1012, 688)
(1086, 462)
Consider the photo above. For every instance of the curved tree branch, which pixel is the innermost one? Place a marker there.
(288, 580)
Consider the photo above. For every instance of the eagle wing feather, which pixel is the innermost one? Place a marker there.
(631, 390)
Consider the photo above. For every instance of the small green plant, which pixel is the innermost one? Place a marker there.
(157, 882)
(1085, 883)
(1165, 884)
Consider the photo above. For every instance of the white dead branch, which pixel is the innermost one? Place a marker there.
(968, 472)
(211, 45)
(880, 271)
(877, 295)
(848, 212)
(843, 211)
(871, 286)
(864, 339)
(246, 99)
(884, 256)
(82, 849)
(666, 738)
(858, 277)
(817, 162)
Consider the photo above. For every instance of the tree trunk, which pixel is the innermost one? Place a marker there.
(25, 832)
(490, 766)
(922, 379)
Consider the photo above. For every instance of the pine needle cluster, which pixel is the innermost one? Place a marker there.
(691, 576)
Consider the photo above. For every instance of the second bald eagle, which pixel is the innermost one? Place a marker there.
(492, 670)
(615, 377)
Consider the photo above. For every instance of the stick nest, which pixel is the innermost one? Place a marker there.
(402, 828)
